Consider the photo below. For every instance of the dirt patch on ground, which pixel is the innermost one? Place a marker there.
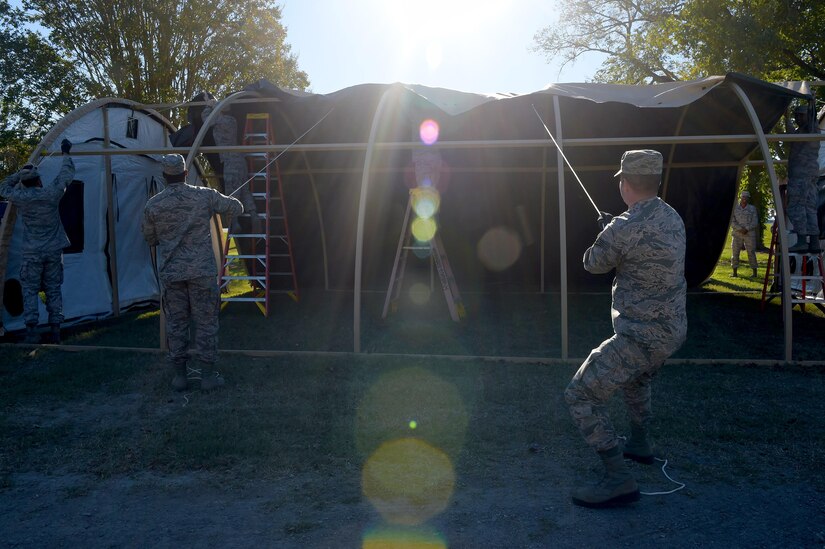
(200, 510)
(111, 458)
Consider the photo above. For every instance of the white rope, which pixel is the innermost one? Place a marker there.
(681, 484)
(565, 159)
(242, 185)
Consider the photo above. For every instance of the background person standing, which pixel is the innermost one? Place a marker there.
(744, 226)
(177, 220)
(43, 241)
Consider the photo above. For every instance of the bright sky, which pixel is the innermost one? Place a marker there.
(469, 45)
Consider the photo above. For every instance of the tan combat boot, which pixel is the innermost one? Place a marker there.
(210, 379)
(31, 334)
(638, 447)
(180, 382)
(54, 333)
(617, 487)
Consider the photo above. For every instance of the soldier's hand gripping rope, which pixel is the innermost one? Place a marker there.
(602, 215)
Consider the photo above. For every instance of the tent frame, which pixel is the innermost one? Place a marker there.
(758, 137)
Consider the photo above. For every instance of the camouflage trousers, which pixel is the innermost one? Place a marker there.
(739, 241)
(192, 305)
(802, 199)
(619, 363)
(42, 271)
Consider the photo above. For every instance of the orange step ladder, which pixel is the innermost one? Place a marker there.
(268, 257)
(806, 287)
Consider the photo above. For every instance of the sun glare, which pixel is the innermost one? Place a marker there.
(428, 28)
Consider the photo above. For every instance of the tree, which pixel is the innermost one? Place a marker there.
(770, 39)
(36, 86)
(633, 33)
(662, 40)
(167, 50)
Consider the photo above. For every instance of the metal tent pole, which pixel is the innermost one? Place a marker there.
(543, 213)
(780, 217)
(110, 216)
(562, 231)
(359, 233)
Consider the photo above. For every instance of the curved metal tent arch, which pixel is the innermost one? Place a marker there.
(219, 107)
(10, 217)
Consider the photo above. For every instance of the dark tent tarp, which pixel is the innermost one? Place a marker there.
(501, 186)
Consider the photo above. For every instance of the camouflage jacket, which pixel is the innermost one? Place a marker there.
(646, 246)
(744, 218)
(176, 220)
(39, 209)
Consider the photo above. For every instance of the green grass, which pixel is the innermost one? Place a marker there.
(327, 415)
(726, 320)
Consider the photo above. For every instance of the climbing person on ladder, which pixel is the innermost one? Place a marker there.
(744, 226)
(803, 172)
(235, 172)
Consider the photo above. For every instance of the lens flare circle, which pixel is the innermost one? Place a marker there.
(424, 229)
(408, 481)
(419, 293)
(386, 537)
(425, 201)
(499, 248)
(407, 394)
(428, 131)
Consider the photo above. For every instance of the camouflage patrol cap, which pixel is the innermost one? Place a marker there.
(173, 164)
(745, 194)
(641, 162)
(29, 172)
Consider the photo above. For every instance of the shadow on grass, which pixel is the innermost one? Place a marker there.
(720, 325)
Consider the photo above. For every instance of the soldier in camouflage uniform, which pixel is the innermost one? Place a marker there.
(176, 220)
(744, 223)
(225, 133)
(803, 172)
(43, 241)
(646, 246)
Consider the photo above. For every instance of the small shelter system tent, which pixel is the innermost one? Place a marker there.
(89, 211)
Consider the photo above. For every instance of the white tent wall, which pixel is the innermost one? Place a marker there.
(87, 288)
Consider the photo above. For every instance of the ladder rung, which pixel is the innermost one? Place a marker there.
(259, 299)
(247, 235)
(242, 277)
(242, 256)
